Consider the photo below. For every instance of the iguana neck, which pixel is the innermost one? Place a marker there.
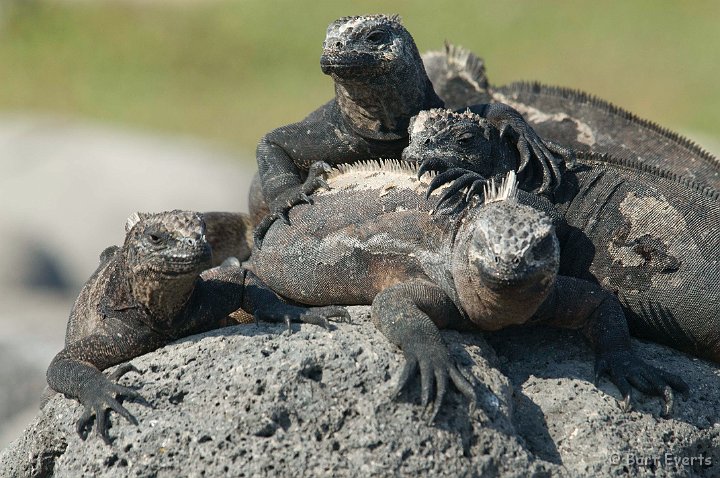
(161, 295)
(381, 109)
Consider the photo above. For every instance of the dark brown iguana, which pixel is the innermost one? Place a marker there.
(145, 294)
(371, 239)
(651, 237)
(572, 118)
(380, 83)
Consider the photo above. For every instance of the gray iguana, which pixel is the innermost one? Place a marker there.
(145, 294)
(380, 83)
(572, 118)
(650, 236)
(371, 239)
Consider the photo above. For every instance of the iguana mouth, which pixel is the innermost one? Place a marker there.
(531, 278)
(181, 265)
(181, 271)
(348, 61)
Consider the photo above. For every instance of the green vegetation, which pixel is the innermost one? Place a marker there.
(230, 71)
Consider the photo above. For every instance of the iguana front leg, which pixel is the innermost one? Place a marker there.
(294, 194)
(265, 305)
(227, 288)
(579, 304)
(76, 372)
(409, 314)
(528, 143)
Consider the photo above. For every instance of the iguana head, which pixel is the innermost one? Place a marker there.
(505, 259)
(465, 140)
(365, 46)
(165, 253)
(380, 79)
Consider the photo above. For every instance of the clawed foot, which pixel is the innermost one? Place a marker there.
(316, 177)
(436, 367)
(459, 178)
(321, 315)
(101, 395)
(568, 155)
(626, 371)
(312, 315)
(530, 146)
(281, 206)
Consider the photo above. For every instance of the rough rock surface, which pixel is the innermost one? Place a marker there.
(255, 401)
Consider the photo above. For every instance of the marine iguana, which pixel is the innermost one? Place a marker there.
(572, 117)
(649, 235)
(380, 83)
(371, 239)
(145, 294)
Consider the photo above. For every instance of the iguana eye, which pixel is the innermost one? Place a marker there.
(154, 238)
(377, 36)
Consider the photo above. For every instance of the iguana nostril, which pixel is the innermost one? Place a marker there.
(338, 44)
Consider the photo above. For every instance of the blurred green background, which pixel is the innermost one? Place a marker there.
(231, 70)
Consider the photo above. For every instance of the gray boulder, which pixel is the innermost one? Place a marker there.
(255, 401)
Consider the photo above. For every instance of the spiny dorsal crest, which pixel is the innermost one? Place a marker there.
(467, 64)
(375, 165)
(507, 190)
(134, 219)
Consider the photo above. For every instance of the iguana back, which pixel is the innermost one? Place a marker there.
(654, 239)
(358, 237)
(585, 122)
(572, 117)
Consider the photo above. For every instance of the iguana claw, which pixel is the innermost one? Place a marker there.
(628, 371)
(625, 403)
(466, 180)
(100, 395)
(282, 213)
(312, 315)
(530, 146)
(436, 369)
(316, 177)
(280, 209)
(444, 178)
(321, 315)
(433, 164)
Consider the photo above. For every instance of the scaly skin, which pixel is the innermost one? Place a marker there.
(371, 239)
(380, 83)
(572, 118)
(229, 234)
(645, 234)
(154, 289)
